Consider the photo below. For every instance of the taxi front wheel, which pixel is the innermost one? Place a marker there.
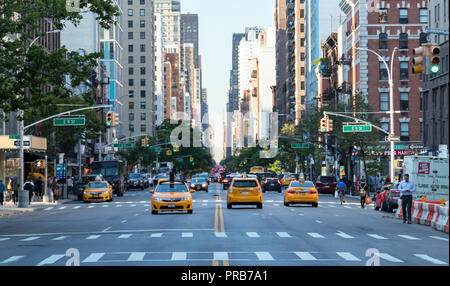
(154, 212)
(228, 206)
(315, 205)
(259, 205)
(189, 211)
(286, 204)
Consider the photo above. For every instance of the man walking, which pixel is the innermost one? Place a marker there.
(69, 185)
(2, 190)
(363, 192)
(406, 188)
(29, 186)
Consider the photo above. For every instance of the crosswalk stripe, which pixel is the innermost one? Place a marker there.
(204, 204)
(93, 257)
(146, 205)
(118, 206)
(305, 255)
(409, 237)
(93, 236)
(348, 256)
(60, 238)
(264, 256)
(283, 234)
(132, 205)
(104, 206)
(252, 234)
(220, 256)
(5, 238)
(276, 205)
(49, 208)
(315, 235)
(30, 238)
(124, 236)
(51, 259)
(187, 234)
(156, 235)
(220, 234)
(11, 259)
(77, 207)
(376, 236)
(344, 235)
(136, 256)
(347, 207)
(331, 206)
(388, 257)
(179, 256)
(431, 259)
(440, 238)
(90, 207)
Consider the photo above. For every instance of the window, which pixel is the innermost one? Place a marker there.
(383, 41)
(131, 93)
(142, 48)
(385, 126)
(142, 81)
(302, 70)
(130, 12)
(302, 85)
(423, 38)
(384, 101)
(142, 12)
(130, 35)
(382, 15)
(383, 72)
(142, 104)
(403, 16)
(302, 28)
(143, 117)
(131, 127)
(131, 116)
(130, 59)
(143, 128)
(130, 105)
(421, 101)
(142, 93)
(403, 101)
(130, 48)
(142, 35)
(142, 2)
(404, 131)
(403, 41)
(142, 59)
(143, 70)
(130, 71)
(131, 82)
(142, 23)
(424, 15)
(404, 71)
(130, 24)
(302, 42)
(302, 99)
(302, 56)
(130, 2)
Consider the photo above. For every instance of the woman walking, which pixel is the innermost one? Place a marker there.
(363, 192)
(55, 191)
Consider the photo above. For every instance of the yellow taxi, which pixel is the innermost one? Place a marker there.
(245, 191)
(287, 179)
(172, 196)
(301, 192)
(97, 191)
(164, 179)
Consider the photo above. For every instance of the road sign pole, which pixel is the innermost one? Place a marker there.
(22, 202)
(46, 197)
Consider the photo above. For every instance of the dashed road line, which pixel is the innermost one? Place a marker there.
(11, 259)
(51, 259)
(93, 237)
(408, 237)
(283, 234)
(348, 256)
(252, 234)
(376, 236)
(305, 255)
(431, 259)
(93, 257)
(264, 256)
(315, 235)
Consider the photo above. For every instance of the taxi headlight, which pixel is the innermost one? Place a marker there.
(185, 199)
(158, 199)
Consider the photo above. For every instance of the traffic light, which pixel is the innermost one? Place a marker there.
(435, 59)
(109, 118)
(191, 159)
(169, 152)
(418, 60)
(115, 119)
(329, 125)
(323, 125)
(144, 142)
(245, 162)
(176, 149)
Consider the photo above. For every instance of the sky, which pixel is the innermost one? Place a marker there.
(218, 20)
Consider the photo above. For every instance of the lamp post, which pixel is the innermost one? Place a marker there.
(391, 105)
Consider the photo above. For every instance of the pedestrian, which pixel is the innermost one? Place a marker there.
(70, 185)
(38, 187)
(406, 188)
(29, 186)
(2, 190)
(15, 192)
(363, 192)
(9, 187)
(54, 188)
(378, 183)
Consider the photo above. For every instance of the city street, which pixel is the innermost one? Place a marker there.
(124, 232)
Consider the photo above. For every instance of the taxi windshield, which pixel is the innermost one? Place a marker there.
(97, 185)
(245, 184)
(297, 184)
(168, 188)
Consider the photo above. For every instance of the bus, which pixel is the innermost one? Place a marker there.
(257, 169)
(112, 172)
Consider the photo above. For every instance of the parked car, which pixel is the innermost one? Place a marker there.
(84, 182)
(326, 184)
(136, 180)
(271, 184)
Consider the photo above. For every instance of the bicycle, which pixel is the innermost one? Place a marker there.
(341, 195)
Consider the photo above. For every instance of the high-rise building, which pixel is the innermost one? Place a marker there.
(189, 33)
(139, 110)
(174, 99)
(170, 11)
(281, 99)
(159, 70)
(312, 51)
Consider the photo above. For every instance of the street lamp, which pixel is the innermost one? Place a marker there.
(391, 104)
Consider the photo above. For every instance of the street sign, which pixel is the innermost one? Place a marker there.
(357, 128)
(25, 143)
(60, 171)
(69, 122)
(123, 145)
(399, 147)
(393, 138)
(14, 137)
(300, 146)
(157, 149)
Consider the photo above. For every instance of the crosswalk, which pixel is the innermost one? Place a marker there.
(234, 257)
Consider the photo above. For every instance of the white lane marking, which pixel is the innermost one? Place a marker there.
(156, 235)
(283, 234)
(343, 234)
(252, 234)
(132, 205)
(51, 259)
(93, 237)
(30, 238)
(276, 205)
(136, 256)
(408, 237)
(77, 207)
(301, 214)
(220, 234)
(61, 208)
(118, 206)
(90, 207)
(318, 221)
(431, 259)
(146, 210)
(106, 229)
(264, 256)
(305, 255)
(93, 257)
(143, 202)
(269, 201)
(179, 256)
(60, 238)
(187, 234)
(146, 205)
(205, 201)
(388, 257)
(11, 259)
(220, 256)
(3, 239)
(124, 221)
(104, 206)
(347, 207)
(376, 236)
(315, 235)
(204, 204)
(47, 209)
(440, 238)
(348, 256)
(331, 206)
(125, 236)
(136, 214)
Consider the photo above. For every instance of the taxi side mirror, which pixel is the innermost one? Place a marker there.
(151, 191)
(192, 191)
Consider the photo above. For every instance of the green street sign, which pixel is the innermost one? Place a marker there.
(300, 146)
(15, 137)
(179, 160)
(399, 147)
(281, 151)
(69, 122)
(357, 128)
(123, 145)
(156, 149)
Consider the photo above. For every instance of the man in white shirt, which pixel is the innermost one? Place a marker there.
(406, 188)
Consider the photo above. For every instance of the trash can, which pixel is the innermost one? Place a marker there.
(23, 199)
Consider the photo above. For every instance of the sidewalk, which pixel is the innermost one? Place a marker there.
(9, 208)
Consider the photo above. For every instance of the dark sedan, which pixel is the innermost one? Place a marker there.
(326, 184)
(135, 181)
(271, 184)
(226, 182)
(199, 183)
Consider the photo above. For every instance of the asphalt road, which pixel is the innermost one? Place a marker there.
(124, 232)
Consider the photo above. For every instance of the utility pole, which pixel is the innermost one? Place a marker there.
(46, 198)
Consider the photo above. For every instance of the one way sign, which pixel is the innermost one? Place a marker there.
(25, 143)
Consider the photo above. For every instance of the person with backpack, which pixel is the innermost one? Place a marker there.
(363, 192)
(29, 186)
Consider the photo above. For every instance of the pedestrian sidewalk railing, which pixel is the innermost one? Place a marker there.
(430, 214)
